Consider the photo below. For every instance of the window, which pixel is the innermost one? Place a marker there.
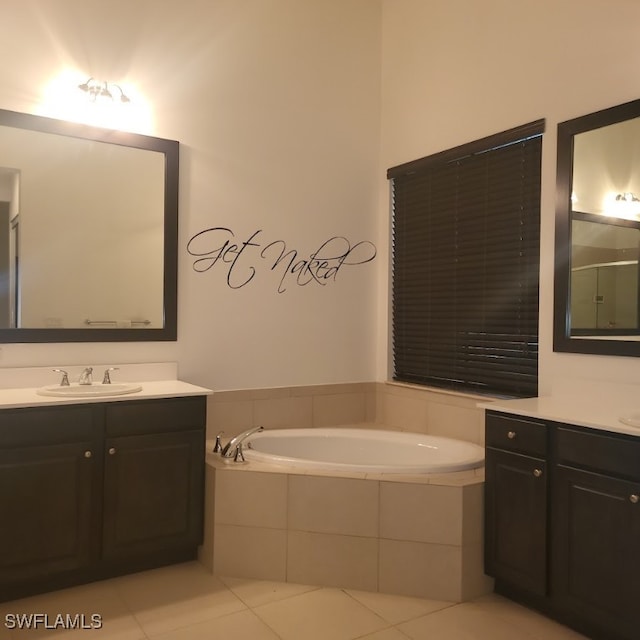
(466, 254)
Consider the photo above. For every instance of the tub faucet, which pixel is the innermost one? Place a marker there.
(85, 376)
(228, 451)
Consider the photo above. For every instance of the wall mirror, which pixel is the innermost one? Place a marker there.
(597, 291)
(88, 233)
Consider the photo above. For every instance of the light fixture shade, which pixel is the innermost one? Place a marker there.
(101, 90)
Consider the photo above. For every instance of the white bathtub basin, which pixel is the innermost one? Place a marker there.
(89, 390)
(364, 450)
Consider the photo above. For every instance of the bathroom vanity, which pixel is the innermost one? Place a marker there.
(562, 512)
(98, 487)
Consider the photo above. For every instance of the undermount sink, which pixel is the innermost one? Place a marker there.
(633, 419)
(89, 390)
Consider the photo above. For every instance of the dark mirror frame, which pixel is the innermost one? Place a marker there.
(562, 340)
(170, 149)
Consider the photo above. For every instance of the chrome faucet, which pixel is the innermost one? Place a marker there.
(107, 377)
(229, 450)
(85, 376)
(65, 377)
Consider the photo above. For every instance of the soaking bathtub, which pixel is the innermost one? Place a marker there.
(362, 450)
(350, 507)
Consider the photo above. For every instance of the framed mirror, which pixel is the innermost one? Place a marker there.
(597, 290)
(88, 233)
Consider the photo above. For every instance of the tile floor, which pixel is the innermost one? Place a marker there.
(185, 602)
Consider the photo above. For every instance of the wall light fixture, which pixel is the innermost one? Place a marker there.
(98, 90)
(625, 205)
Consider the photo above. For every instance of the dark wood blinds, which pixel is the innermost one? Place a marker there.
(466, 253)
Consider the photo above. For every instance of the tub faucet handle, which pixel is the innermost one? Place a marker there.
(217, 447)
(238, 456)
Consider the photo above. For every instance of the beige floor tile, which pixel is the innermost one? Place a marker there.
(326, 614)
(243, 625)
(173, 597)
(113, 619)
(534, 623)
(258, 592)
(386, 634)
(395, 609)
(464, 622)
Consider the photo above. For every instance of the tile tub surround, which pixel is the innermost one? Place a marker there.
(385, 405)
(406, 535)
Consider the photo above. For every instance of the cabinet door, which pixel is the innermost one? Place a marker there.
(47, 505)
(154, 488)
(516, 520)
(596, 550)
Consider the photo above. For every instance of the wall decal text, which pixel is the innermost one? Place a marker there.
(241, 259)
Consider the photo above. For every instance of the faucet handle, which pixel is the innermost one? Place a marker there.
(217, 447)
(107, 378)
(238, 456)
(65, 377)
(85, 376)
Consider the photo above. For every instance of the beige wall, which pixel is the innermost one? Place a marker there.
(456, 71)
(289, 113)
(276, 106)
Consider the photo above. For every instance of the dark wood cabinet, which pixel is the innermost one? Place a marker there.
(46, 500)
(516, 522)
(516, 502)
(153, 492)
(91, 491)
(595, 556)
(568, 545)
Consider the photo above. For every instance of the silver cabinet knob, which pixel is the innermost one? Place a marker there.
(634, 498)
(112, 451)
(87, 454)
(511, 435)
(537, 473)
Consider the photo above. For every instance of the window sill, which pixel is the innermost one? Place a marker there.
(447, 392)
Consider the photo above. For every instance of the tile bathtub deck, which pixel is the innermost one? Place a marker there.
(185, 602)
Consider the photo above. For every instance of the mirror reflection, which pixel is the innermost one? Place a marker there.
(88, 223)
(604, 276)
(598, 233)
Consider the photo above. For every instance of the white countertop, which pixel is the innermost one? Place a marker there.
(20, 398)
(18, 386)
(601, 409)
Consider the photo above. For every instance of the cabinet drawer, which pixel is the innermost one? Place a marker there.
(49, 425)
(516, 434)
(140, 417)
(617, 455)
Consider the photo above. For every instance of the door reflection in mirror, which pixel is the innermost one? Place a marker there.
(604, 275)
